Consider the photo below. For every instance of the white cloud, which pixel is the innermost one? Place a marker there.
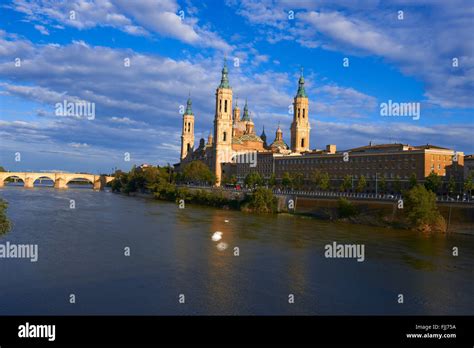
(421, 45)
(78, 145)
(138, 17)
(41, 29)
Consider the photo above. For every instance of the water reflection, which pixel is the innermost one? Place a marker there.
(173, 253)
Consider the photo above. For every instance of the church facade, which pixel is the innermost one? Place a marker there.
(234, 133)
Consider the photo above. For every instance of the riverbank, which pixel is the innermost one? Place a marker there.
(386, 214)
(459, 218)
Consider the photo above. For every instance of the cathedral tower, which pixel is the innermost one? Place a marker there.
(300, 128)
(236, 118)
(222, 124)
(187, 135)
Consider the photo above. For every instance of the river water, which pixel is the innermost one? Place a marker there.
(81, 252)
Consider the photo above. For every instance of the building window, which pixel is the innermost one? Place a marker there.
(302, 140)
(303, 113)
(225, 105)
(224, 137)
(220, 104)
(299, 112)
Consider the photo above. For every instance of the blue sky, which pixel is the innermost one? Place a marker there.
(173, 53)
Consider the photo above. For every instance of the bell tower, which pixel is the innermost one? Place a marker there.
(222, 125)
(187, 135)
(300, 127)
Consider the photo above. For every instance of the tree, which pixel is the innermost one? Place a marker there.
(347, 183)
(2, 169)
(361, 185)
(325, 182)
(451, 185)
(382, 185)
(286, 180)
(316, 178)
(345, 208)
(253, 179)
(199, 172)
(272, 181)
(433, 182)
(469, 183)
(233, 180)
(297, 180)
(261, 200)
(4, 222)
(422, 211)
(397, 185)
(413, 181)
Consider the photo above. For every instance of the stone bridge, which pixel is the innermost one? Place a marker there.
(60, 179)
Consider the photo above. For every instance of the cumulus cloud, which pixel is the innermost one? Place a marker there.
(138, 17)
(418, 45)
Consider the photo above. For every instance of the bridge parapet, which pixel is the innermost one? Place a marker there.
(60, 180)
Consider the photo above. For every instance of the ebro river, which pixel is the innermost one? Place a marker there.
(105, 253)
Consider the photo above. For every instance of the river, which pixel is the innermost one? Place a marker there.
(81, 252)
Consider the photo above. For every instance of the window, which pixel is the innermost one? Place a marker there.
(224, 137)
(303, 113)
(299, 113)
(225, 105)
(302, 142)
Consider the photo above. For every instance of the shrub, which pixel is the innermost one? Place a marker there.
(5, 224)
(421, 209)
(261, 200)
(345, 208)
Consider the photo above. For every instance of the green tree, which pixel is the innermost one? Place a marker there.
(397, 185)
(253, 179)
(233, 180)
(345, 208)
(469, 183)
(261, 200)
(413, 181)
(297, 180)
(362, 184)
(198, 172)
(325, 182)
(2, 169)
(382, 185)
(421, 209)
(433, 182)
(451, 185)
(272, 181)
(347, 183)
(4, 222)
(286, 180)
(316, 178)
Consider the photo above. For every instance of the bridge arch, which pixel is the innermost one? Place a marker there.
(14, 176)
(34, 179)
(80, 177)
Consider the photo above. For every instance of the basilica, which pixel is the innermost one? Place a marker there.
(234, 132)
